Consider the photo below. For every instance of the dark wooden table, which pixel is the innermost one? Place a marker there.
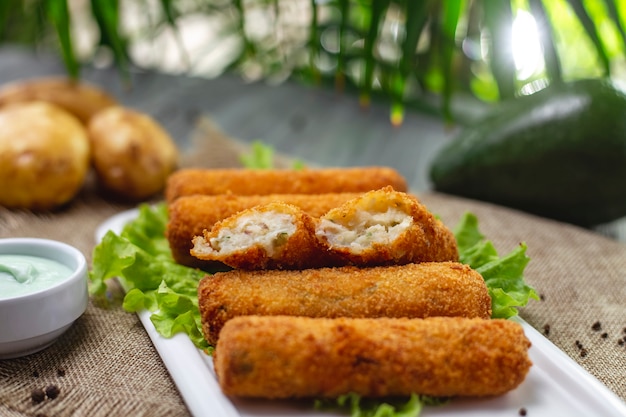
(316, 125)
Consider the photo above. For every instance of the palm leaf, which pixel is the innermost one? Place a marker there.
(378, 9)
(106, 14)
(314, 42)
(441, 67)
(344, 10)
(6, 14)
(592, 32)
(170, 17)
(248, 47)
(499, 20)
(58, 13)
(416, 16)
(613, 13)
(416, 13)
(450, 19)
(550, 56)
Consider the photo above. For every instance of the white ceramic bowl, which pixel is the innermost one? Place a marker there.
(32, 322)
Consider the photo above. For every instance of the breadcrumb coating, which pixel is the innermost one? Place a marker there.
(381, 227)
(189, 216)
(290, 357)
(271, 236)
(413, 290)
(281, 181)
(386, 227)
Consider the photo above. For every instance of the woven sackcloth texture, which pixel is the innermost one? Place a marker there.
(105, 365)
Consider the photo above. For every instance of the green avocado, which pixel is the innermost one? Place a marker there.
(558, 153)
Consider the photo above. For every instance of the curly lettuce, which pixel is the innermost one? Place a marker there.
(504, 276)
(140, 258)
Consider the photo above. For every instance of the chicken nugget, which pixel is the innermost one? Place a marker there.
(413, 290)
(281, 181)
(270, 236)
(190, 215)
(290, 357)
(384, 227)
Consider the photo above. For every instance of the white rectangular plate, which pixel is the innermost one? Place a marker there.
(555, 386)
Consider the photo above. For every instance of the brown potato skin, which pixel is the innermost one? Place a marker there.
(427, 240)
(281, 181)
(79, 98)
(132, 154)
(414, 291)
(44, 156)
(291, 357)
(300, 250)
(189, 216)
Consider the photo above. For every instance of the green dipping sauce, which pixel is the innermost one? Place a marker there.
(24, 274)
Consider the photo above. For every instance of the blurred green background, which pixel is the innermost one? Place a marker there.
(411, 54)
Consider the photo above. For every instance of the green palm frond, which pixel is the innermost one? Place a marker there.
(58, 13)
(107, 16)
(499, 20)
(546, 37)
(412, 53)
(592, 31)
(450, 19)
(416, 17)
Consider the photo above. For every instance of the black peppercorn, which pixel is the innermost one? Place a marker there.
(37, 395)
(52, 391)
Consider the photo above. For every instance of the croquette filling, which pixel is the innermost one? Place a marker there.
(359, 232)
(268, 230)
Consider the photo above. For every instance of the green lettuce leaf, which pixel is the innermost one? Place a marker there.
(504, 276)
(357, 406)
(141, 259)
(260, 157)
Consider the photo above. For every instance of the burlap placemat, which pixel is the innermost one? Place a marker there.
(106, 365)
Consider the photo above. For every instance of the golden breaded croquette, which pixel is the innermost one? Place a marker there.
(413, 290)
(189, 216)
(291, 357)
(381, 227)
(281, 181)
(385, 227)
(270, 236)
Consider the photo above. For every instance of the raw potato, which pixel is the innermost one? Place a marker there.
(81, 99)
(131, 153)
(44, 156)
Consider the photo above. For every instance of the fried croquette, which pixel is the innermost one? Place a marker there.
(381, 227)
(413, 290)
(271, 236)
(189, 216)
(290, 357)
(385, 227)
(281, 181)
